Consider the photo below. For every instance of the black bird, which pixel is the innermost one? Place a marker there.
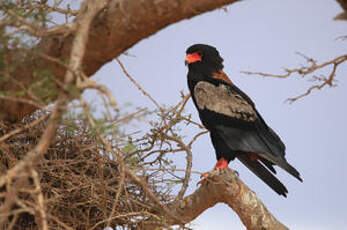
(236, 128)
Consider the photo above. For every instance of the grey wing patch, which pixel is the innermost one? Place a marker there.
(222, 100)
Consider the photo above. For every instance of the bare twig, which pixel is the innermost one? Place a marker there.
(87, 83)
(40, 200)
(38, 31)
(59, 10)
(22, 100)
(153, 197)
(138, 85)
(306, 70)
(119, 192)
(187, 149)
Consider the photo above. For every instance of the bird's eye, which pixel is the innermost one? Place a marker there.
(200, 53)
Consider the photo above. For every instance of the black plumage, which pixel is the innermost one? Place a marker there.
(236, 128)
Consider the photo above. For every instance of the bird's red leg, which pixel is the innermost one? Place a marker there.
(221, 164)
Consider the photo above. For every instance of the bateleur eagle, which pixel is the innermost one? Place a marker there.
(236, 128)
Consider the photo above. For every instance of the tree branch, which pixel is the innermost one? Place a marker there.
(304, 71)
(117, 28)
(224, 186)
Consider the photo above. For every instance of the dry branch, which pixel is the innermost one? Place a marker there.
(137, 85)
(224, 186)
(304, 71)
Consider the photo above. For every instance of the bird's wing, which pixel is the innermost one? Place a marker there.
(225, 109)
(224, 101)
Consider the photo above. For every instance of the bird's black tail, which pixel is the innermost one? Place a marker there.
(257, 168)
(290, 169)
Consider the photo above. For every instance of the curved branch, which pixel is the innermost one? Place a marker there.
(117, 28)
(224, 186)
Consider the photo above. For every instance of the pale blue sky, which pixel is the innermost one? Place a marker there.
(260, 36)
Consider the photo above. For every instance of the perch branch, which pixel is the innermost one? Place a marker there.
(225, 187)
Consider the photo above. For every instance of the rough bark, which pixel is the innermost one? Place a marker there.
(224, 186)
(118, 27)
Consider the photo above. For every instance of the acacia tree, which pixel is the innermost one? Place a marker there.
(75, 170)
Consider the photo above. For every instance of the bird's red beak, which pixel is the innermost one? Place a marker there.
(191, 58)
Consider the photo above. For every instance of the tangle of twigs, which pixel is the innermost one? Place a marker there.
(311, 68)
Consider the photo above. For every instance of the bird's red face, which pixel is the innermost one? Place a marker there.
(193, 57)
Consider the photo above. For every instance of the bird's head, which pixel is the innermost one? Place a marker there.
(204, 56)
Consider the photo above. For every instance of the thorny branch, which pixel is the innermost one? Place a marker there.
(119, 156)
(173, 120)
(311, 68)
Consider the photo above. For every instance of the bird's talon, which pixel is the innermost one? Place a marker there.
(237, 173)
(204, 177)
